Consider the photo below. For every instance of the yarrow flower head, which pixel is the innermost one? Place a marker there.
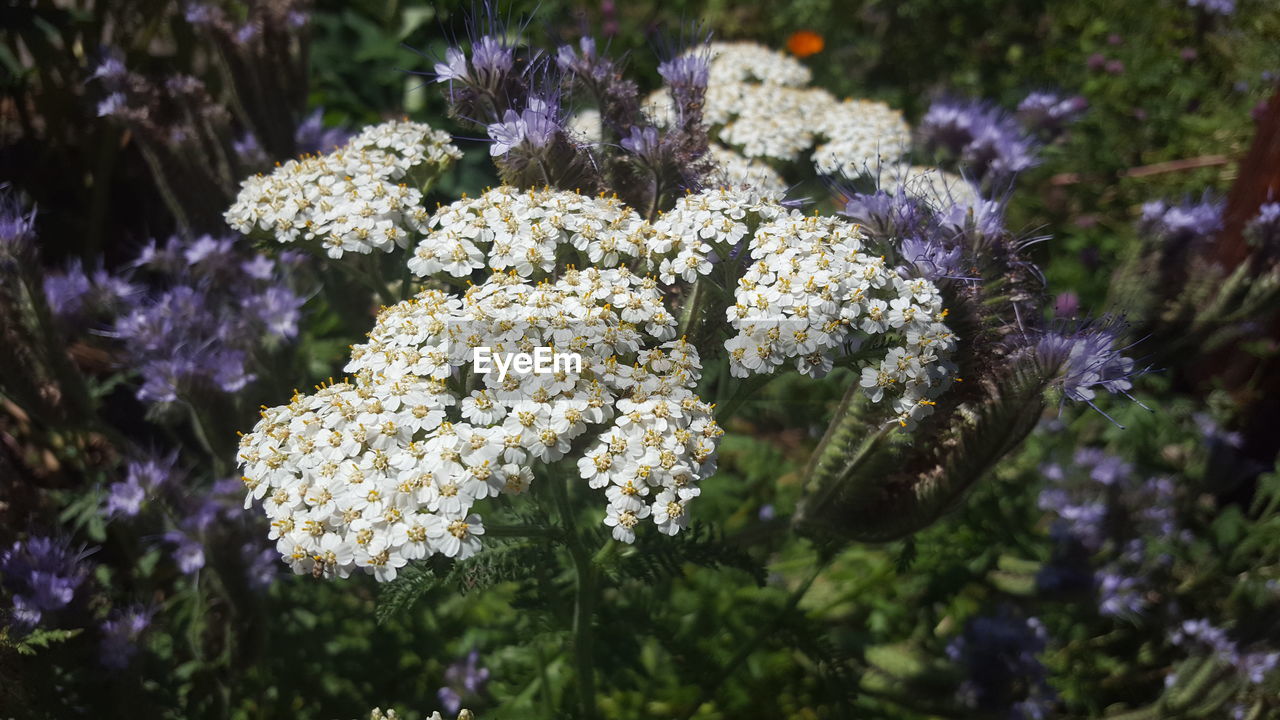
(758, 105)
(359, 198)
(389, 466)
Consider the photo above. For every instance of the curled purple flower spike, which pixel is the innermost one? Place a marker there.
(984, 139)
(120, 635)
(1184, 225)
(642, 141)
(1049, 112)
(1263, 231)
(43, 573)
(1088, 359)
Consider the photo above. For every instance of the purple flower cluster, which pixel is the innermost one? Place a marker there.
(142, 478)
(1088, 357)
(43, 573)
(1048, 112)
(988, 143)
(76, 295)
(1103, 506)
(220, 305)
(532, 129)
(17, 225)
(1214, 7)
(1252, 666)
(463, 679)
(120, 635)
(1184, 225)
(1000, 654)
(1263, 231)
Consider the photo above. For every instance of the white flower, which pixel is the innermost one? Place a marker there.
(353, 199)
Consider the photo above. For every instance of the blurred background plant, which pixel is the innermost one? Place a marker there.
(1097, 571)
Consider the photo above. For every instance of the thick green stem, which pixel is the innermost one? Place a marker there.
(583, 605)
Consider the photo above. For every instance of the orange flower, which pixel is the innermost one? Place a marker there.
(804, 43)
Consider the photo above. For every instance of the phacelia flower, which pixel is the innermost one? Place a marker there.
(43, 573)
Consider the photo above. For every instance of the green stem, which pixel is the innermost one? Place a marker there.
(583, 605)
(692, 308)
(793, 600)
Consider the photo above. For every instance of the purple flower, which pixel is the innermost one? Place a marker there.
(454, 66)
(588, 65)
(311, 135)
(1214, 7)
(17, 226)
(43, 573)
(111, 69)
(201, 13)
(112, 105)
(1066, 305)
(1000, 656)
(642, 141)
(141, 477)
(188, 553)
(506, 135)
(1086, 358)
(66, 291)
(464, 678)
(889, 216)
(534, 128)
(980, 136)
(260, 267)
(686, 71)
(262, 564)
(124, 498)
(1263, 231)
(1119, 595)
(932, 258)
(1049, 112)
(491, 56)
(120, 635)
(279, 310)
(1182, 225)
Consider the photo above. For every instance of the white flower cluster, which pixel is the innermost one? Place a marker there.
(758, 102)
(860, 135)
(386, 467)
(812, 295)
(527, 231)
(358, 198)
(588, 125)
(378, 714)
(734, 169)
(743, 62)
